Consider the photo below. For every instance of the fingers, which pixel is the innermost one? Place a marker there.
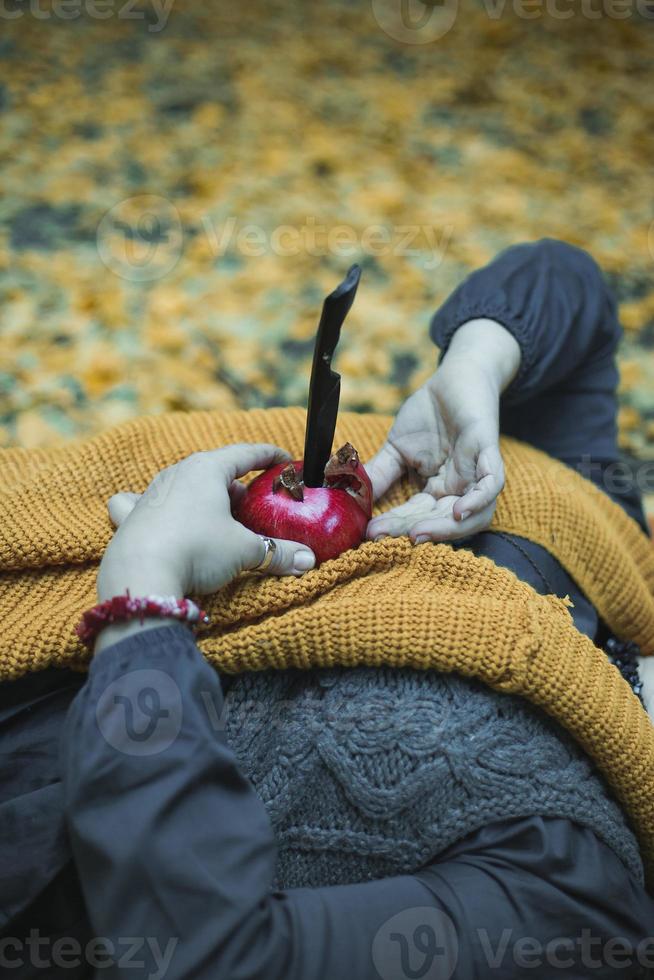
(423, 518)
(444, 527)
(121, 505)
(290, 557)
(239, 459)
(490, 484)
(477, 498)
(400, 520)
(384, 469)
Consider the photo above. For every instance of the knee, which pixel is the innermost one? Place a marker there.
(569, 261)
(571, 258)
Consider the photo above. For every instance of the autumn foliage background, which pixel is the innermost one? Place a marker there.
(287, 113)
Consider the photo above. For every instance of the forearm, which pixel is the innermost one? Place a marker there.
(120, 572)
(172, 843)
(481, 362)
(487, 345)
(167, 836)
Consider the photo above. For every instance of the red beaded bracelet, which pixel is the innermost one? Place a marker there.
(122, 608)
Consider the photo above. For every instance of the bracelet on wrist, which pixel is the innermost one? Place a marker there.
(122, 608)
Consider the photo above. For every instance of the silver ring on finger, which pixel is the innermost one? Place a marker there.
(269, 554)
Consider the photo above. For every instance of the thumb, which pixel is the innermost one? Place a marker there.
(289, 558)
(384, 469)
(121, 505)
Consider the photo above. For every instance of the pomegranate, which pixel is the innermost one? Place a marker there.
(328, 519)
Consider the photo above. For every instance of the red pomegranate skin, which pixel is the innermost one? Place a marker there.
(329, 520)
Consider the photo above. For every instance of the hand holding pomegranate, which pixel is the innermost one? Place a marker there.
(447, 432)
(180, 538)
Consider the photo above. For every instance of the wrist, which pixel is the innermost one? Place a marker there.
(140, 574)
(490, 347)
(467, 396)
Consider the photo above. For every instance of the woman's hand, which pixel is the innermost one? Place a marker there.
(179, 537)
(448, 433)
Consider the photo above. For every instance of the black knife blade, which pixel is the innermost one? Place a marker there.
(325, 384)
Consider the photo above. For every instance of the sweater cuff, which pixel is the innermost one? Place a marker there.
(444, 325)
(158, 644)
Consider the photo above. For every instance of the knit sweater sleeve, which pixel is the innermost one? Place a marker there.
(171, 842)
(552, 298)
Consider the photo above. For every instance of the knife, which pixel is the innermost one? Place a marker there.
(325, 384)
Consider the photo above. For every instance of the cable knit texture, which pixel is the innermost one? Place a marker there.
(387, 603)
(373, 771)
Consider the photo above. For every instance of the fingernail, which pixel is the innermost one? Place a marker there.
(380, 536)
(465, 515)
(421, 539)
(303, 561)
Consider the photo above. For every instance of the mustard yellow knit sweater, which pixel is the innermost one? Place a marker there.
(385, 603)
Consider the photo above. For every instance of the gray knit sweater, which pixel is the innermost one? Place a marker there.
(373, 772)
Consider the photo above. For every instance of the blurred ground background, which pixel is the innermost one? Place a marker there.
(148, 161)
